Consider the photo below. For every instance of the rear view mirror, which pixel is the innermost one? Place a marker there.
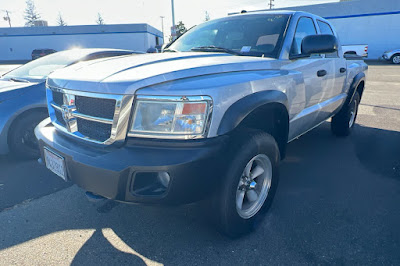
(319, 44)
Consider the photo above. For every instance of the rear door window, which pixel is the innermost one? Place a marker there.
(325, 28)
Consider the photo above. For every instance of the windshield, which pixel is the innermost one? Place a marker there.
(251, 35)
(42, 67)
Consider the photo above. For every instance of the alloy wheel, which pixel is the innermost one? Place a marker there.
(353, 113)
(396, 59)
(254, 185)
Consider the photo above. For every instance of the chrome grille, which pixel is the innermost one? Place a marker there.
(58, 98)
(59, 117)
(95, 107)
(99, 118)
(94, 130)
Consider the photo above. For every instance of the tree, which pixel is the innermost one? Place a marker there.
(7, 17)
(31, 14)
(60, 20)
(180, 29)
(100, 20)
(206, 16)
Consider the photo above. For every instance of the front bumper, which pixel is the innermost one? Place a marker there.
(4, 125)
(195, 166)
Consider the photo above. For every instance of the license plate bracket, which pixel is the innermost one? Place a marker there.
(55, 163)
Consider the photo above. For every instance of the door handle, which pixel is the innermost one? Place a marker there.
(342, 70)
(321, 73)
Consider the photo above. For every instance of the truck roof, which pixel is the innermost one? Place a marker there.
(277, 12)
(283, 12)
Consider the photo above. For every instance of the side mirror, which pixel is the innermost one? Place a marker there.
(152, 50)
(319, 44)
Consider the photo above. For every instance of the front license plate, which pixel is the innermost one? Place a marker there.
(55, 163)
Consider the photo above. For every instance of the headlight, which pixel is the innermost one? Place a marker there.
(171, 117)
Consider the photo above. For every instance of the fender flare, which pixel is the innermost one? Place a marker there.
(239, 110)
(354, 85)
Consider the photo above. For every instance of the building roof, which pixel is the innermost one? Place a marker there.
(343, 9)
(351, 8)
(81, 29)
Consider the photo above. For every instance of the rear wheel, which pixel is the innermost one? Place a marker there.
(343, 122)
(396, 59)
(21, 138)
(249, 185)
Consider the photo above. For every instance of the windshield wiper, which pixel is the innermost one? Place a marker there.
(19, 80)
(170, 50)
(213, 48)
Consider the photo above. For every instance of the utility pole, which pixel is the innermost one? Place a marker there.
(271, 5)
(162, 27)
(173, 29)
(173, 13)
(7, 17)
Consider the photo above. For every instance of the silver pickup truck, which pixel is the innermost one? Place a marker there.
(209, 118)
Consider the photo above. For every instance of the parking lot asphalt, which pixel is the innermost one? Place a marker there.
(337, 203)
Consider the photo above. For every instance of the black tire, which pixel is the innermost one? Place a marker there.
(394, 59)
(248, 145)
(341, 124)
(21, 138)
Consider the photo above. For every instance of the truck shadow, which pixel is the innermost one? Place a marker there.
(323, 179)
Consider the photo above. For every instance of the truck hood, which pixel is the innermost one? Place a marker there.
(11, 89)
(124, 75)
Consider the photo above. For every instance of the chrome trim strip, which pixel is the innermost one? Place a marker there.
(55, 106)
(87, 94)
(92, 118)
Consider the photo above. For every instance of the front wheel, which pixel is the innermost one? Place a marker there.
(21, 137)
(249, 185)
(396, 59)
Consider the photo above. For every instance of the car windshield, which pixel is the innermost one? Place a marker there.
(250, 35)
(42, 67)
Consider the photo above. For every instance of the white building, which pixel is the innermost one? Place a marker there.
(372, 22)
(18, 43)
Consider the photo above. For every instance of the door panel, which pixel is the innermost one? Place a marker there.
(314, 94)
(318, 75)
(340, 68)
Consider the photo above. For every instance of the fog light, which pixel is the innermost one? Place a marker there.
(150, 183)
(164, 178)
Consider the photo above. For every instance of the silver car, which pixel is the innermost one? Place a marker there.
(393, 56)
(23, 97)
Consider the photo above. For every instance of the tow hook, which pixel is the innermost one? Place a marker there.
(94, 197)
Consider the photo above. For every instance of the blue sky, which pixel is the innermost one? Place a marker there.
(84, 12)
